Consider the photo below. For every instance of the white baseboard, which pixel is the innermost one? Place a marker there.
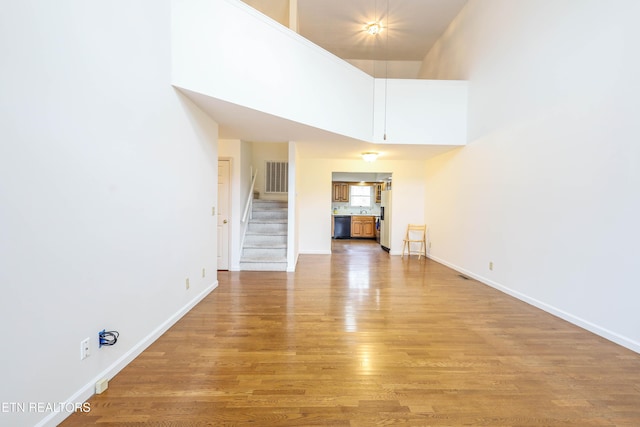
(578, 321)
(316, 252)
(82, 395)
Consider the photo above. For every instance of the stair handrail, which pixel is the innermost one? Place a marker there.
(249, 203)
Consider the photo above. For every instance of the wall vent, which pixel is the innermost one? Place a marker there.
(276, 177)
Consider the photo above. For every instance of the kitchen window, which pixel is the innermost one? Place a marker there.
(361, 196)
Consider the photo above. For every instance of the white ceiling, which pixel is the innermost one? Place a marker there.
(411, 28)
(352, 150)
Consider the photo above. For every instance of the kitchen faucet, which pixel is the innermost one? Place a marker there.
(363, 211)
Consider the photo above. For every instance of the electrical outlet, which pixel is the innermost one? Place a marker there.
(491, 265)
(429, 245)
(204, 273)
(84, 349)
(187, 283)
(213, 211)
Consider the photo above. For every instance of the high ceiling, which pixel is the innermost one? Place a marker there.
(411, 27)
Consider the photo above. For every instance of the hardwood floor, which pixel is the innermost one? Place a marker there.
(360, 338)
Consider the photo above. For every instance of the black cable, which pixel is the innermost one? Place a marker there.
(108, 337)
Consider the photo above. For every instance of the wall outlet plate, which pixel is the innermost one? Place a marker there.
(84, 348)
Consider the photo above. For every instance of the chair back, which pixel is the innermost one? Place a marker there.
(416, 232)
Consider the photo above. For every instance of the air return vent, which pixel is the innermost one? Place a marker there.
(276, 177)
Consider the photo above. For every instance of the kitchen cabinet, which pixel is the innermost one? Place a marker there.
(340, 191)
(363, 227)
(378, 190)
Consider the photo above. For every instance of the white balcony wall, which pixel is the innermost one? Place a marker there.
(227, 50)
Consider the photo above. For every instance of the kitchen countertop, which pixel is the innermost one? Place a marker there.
(347, 214)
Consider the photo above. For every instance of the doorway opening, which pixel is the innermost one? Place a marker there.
(360, 206)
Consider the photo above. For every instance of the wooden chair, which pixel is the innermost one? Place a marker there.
(416, 233)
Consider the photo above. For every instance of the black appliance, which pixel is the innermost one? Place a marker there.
(342, 226)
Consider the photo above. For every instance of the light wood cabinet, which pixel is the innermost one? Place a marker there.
(363, 227)
(356, 227)
(340, 191)
(378, 190)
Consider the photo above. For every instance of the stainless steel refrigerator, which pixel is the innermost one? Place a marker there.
(385, 220)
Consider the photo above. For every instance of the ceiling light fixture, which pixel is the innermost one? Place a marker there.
(373, 28)
(369, 156)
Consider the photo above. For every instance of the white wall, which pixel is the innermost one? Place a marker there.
(547, 188)
(314, 198)
(268, 151)
(107, 179)
(293, 229)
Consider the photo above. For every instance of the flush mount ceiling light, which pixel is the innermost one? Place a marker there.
(373, 28)
(369, 156)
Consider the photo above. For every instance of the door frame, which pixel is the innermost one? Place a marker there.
(224, 245)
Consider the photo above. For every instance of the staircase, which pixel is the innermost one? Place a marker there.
(265, 243)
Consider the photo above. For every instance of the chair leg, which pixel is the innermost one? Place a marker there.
(406, 245)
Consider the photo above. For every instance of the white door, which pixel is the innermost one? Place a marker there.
(224, 170)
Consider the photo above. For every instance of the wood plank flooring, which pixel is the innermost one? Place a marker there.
(360, 338)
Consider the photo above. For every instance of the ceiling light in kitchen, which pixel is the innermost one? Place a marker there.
(369, 156)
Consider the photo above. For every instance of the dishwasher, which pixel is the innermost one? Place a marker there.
(342, 226)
